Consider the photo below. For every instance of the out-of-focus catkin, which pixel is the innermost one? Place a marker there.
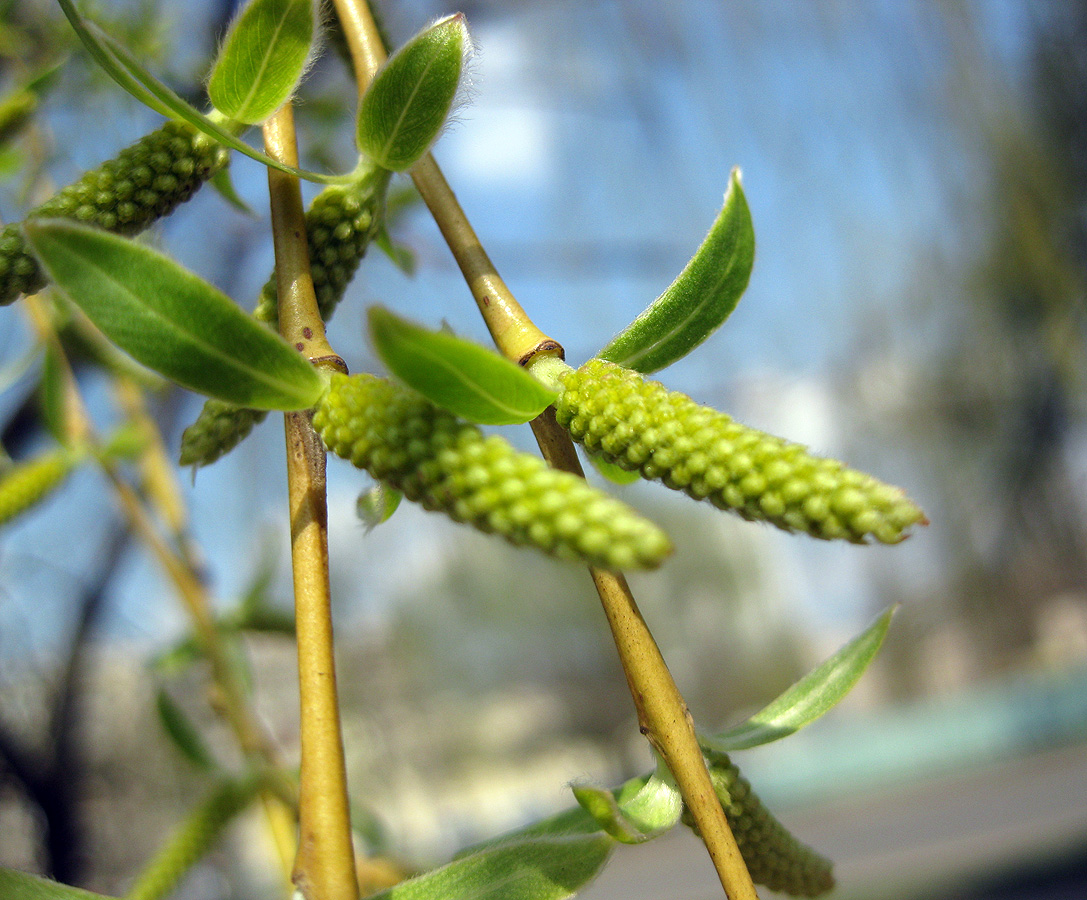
(27, 484)
(448, 465)
(772, 854)
(642, 426)
(125, 195)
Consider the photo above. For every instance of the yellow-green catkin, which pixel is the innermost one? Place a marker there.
(27, 484)
(125, 195)
(193, 838)
(448, 465)
(219, 428)
(340, 224)
(772, 854)
(664, 435)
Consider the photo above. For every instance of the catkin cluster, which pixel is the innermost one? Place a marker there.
(446, 464)
(773, 856)
(125, 195)
(641, 426)
(340, 224)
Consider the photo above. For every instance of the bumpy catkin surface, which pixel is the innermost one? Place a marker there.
(642, 426)
(448, 465)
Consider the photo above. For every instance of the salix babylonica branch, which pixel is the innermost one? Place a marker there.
(325, 865)
(665, 720)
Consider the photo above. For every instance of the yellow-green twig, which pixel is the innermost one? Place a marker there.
(662, 713)
(325, 865)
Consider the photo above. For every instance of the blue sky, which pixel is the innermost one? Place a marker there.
(592, 157)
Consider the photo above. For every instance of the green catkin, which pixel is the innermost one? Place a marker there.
(446, 464)
(27, 484)
(641, 426)
(125, 195)
(193, 839)
(219, 428)
(340, 224)
(773, 856)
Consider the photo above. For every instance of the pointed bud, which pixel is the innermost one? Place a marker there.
(406, 106)
(641, 426)
(448, 465)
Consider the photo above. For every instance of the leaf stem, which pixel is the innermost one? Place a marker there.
(325, 866)
(662, 712)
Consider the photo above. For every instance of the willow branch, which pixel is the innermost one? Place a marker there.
(662, 712)
(325, 865)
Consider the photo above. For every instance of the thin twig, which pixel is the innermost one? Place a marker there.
(325, 866)
(662, 712)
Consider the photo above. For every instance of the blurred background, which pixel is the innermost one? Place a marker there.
(917, 175)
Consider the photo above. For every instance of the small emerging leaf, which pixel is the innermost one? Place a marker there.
(404, 109)
(468, 380)
(22, 886)
(638, 813)
(262, 59)
(377, 505)
(615, 474)
(808, 699)
(170, 320)
(703, 295)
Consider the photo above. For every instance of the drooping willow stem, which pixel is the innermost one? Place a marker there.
(325, 865)
(662, 713)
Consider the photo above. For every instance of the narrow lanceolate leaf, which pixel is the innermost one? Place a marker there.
(127, 71)
(405, 108)
(170, 320)
(22, 886)
(185, 736)
(464, 378)
(263, 59)
(536, 868)
(809, 698)
(699, 300)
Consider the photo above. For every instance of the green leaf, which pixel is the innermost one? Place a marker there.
(21, 886)
(53, 395)
(468, 380)
(526, 868)
(644, 808)
(615, 474)
(183, 733)
(123, 68)
(809, 698)
(699, 300)
(406, 105)
(262, 60)
(377, 505)
(170, 320)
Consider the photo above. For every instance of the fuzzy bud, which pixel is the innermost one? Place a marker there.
(448, 465)
(125, 195)
(773, 856)
(664, 435)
